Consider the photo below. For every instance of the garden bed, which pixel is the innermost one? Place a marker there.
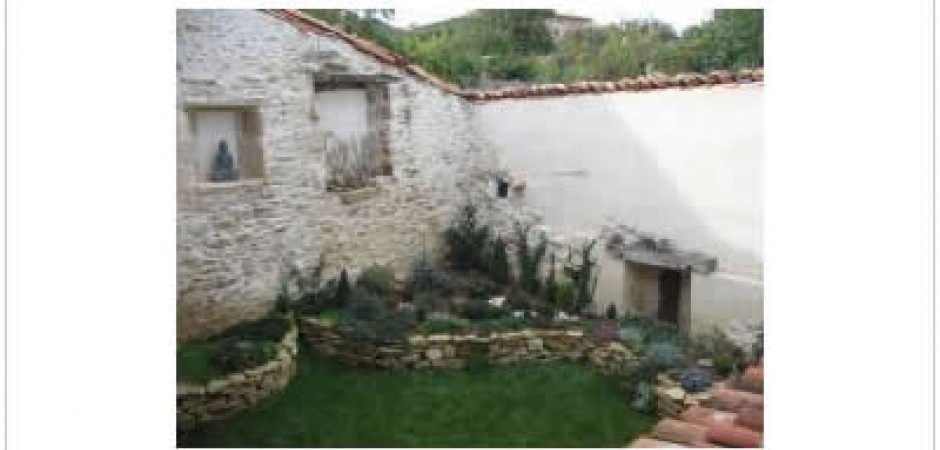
(332, 405)
(232, 372)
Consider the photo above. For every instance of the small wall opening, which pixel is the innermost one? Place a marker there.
(227, 143)
(353, 118)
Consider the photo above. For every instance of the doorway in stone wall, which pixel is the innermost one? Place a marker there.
(670, 290)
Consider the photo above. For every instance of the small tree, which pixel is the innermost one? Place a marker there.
(529, 258)
(583, 274)
(497, 261)
(343, 291)
(466, 239)
(551, 287)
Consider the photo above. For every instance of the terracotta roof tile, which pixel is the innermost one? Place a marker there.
(680, 432)
(648, 442)
(734, 436)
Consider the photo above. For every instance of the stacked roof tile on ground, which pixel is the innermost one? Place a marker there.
(733, 417)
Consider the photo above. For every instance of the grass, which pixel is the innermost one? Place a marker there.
(193, 365)
(329, 405)
(330, 316)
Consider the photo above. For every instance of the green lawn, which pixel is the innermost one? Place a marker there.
(328, 405)
(192, 363)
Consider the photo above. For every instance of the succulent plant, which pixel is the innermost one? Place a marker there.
(665, 355)
(695, 379)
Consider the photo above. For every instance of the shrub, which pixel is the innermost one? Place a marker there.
(565, 296)
(365, 306)
(234, 355)
(303, 291)
(497, 261)
(368, 320)
(639, 386)
(551, 286)
(394, 326)
(606, 331)
(665, 355)
(466, 240)
(270, 329)
(425, 278)
(611, 313)
(444, 326)
(343, 291)
(583, 274)
(724, 364)
(476, 287)
(529, 258)
(632, 336)
(695, 379)
(518, 299)
(377, 279)
(479, 309)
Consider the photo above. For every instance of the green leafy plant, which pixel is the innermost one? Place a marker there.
(235, 355)
(444, 326)
(343, 292)
(665, 355)
(632, 336)
(529, 258)
(551, 286)
(377, 279)
(303, 291)
(368, 320)
(365, 305)
(425, 278)
(611, 312)
(466, 239)
(518, 299)
(565, 295)
(480, 309)
(270, 329)
(582, 271)
(497, 261)
(724, 364)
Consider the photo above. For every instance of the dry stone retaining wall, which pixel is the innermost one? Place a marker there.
(456, 350)
(237, 392)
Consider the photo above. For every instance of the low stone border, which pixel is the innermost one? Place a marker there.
(224, 397)
(456, 350)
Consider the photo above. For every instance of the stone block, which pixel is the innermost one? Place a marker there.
(434, 354)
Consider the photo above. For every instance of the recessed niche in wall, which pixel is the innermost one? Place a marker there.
(353, 118)
(227, 142)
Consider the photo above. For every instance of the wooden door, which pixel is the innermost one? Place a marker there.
(670, 290)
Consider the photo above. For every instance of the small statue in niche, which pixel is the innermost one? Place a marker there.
(223, 165)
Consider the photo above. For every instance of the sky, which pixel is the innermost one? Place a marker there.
(679, 16)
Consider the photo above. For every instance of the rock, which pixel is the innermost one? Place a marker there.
(435, 354)
(497, 302)
(705, 362)
(415, 340)
(675, 393)
(450, 351)
(518, 314)
(535, 344)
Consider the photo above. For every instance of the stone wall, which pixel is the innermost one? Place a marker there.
(233, 238)
(456, 351)
(237, 392)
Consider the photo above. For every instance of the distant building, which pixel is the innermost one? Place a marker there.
(561, 25)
